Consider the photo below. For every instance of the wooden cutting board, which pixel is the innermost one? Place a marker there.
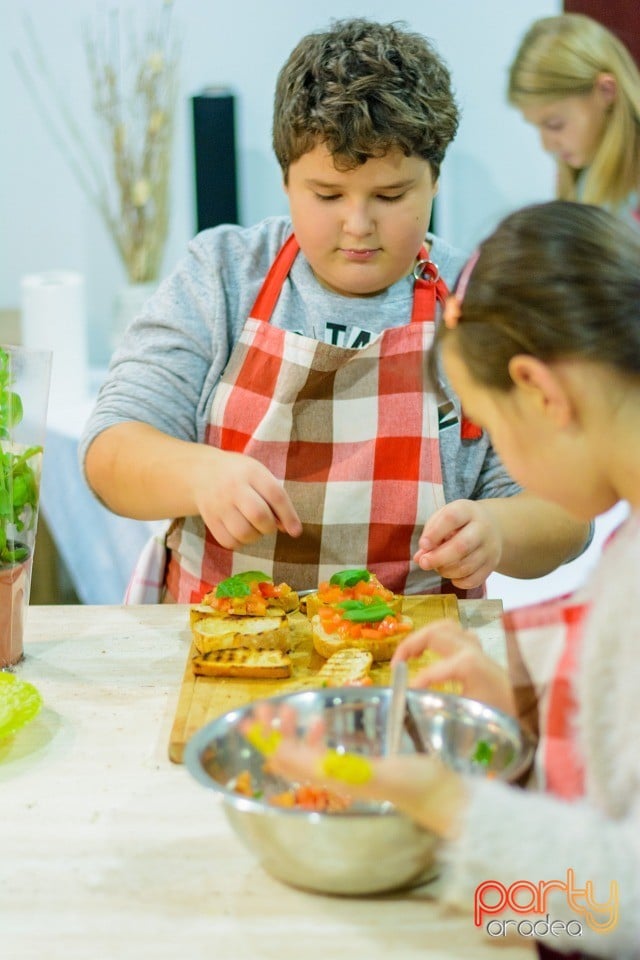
(203, 699)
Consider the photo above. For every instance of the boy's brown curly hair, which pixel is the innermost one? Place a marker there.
(362, 89)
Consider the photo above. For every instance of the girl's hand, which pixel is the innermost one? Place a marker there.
(422, 787)
(462, 660)
(240, 500)
(461, 542)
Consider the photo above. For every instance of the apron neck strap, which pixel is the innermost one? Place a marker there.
(429, 287)
(428, 290)
(278, 273)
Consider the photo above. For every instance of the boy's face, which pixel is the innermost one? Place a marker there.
(360, 229)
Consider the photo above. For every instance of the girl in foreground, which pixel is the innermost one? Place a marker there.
(579, 85)
(542, 343)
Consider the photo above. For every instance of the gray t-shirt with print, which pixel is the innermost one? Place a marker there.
(169, 362)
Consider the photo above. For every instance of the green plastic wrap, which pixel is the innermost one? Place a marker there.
(20, 702)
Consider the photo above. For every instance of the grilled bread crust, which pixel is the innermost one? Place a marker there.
(348, 665)
(241, 662)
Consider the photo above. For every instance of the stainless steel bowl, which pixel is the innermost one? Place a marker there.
(370, 848)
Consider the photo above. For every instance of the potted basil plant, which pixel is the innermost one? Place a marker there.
(24, 391)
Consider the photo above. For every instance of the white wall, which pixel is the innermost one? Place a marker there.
(494, 165)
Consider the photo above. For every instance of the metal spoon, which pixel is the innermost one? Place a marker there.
(397, 708)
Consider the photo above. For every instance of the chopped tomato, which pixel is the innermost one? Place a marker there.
(363, 590)
(332, 595)
(311, 797)
(388, 627)
(286, 799)
(328, 613)
(304, 797)
(243, 784)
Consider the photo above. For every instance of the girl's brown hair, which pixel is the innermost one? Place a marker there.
(363, 88)
(563, 56)
(555, 280)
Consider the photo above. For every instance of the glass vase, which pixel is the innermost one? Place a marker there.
(24, 396)
(129, 303)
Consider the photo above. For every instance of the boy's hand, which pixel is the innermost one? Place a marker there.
(240, 500)
(461, 542)
(462, 660)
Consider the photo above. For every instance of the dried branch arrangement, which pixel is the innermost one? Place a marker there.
(133, 77)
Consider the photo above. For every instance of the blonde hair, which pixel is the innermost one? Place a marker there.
(563, 57)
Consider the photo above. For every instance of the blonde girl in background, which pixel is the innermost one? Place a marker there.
(542, 344)
(579, 85)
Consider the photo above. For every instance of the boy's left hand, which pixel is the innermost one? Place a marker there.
(461, 542)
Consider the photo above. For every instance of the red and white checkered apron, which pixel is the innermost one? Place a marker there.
(543, 644)
(351, 433)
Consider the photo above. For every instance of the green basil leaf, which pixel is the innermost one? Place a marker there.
(349, 578)
(359, 612)
(251, 576)
(483, 753)
(239, 584)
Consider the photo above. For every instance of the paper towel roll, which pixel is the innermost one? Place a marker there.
(54, 318)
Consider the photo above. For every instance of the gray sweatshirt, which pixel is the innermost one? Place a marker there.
(169, 362)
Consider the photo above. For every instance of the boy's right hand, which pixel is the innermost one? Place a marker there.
(240, 500)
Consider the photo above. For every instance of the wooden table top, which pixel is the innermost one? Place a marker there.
(111, 852)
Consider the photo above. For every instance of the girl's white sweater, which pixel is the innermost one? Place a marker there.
(511, 835)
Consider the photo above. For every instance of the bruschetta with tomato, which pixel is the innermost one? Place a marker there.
(248, 594)
(358, 584)
(361, 624)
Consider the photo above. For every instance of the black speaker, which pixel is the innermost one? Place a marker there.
(214, 142)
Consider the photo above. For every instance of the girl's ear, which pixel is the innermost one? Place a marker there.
(607, 85)
(541, 385)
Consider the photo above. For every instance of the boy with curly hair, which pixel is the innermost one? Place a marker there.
(273, 396)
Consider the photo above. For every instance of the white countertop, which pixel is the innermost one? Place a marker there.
(108, 851)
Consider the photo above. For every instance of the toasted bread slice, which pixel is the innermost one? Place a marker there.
(327, 644)
(202, 611)
(240, 662)
(348, 665)
(254, 633)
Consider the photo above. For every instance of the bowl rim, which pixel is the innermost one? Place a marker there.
(198, 742)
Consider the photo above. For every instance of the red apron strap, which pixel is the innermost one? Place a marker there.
(430, 288)
(278, 272)
(469, 430)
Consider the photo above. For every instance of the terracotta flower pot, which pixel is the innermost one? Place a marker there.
(15, 582)
(24, 393)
